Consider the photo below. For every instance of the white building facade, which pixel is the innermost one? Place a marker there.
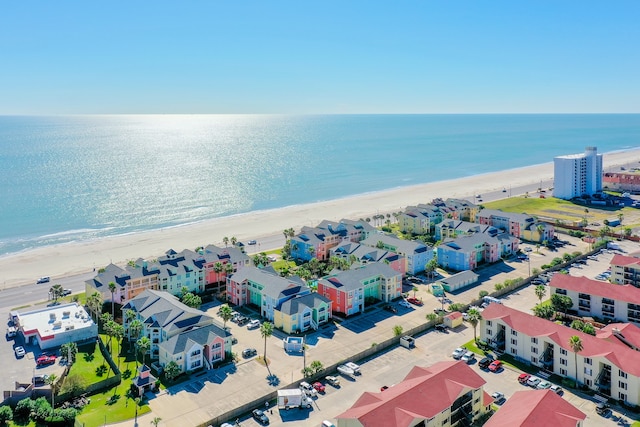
(577, 174)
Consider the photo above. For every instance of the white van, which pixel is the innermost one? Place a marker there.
(488, 300)
(326, 423)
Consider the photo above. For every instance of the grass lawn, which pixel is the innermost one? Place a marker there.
(113, 405)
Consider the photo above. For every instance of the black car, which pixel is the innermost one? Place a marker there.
(441, 328)
(249, 352)
(243, 320)
(602, 408)
(485, 362)
(260, 417)
(390, 308)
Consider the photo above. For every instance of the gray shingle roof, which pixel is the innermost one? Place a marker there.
(274, 285)
(295, 305)
(203, 335)
(352, 279)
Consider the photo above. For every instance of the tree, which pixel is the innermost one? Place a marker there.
(380, 244)
(112, 289)
(431, 267)
(155, 421)
(627, 231)
(56, 292)
(74, 384)
(51, 382)
(473, 317)
(561, 303)
(576, 345)
(171, 370)
(541, 292)
(144, 345)
(191, 300)
(544, 311)
(225, 240)
(135, 327)
(317, 366)
(431, 317)
(226, 313)
(397, 330)
(266, 330)
(234, 241)
(217, 268)
(6, 414)
(483, 293)
(415, 289)
(94, 303)
(69, 351)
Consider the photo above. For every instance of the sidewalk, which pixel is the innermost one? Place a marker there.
(143, 420)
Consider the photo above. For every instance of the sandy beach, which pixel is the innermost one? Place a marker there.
(81, 257)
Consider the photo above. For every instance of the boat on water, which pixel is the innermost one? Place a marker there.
(345, 370)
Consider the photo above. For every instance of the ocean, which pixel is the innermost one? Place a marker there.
(70, 178)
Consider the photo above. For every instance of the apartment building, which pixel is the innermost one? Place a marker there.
(523, 226)
(365, 254)
(415, 253)
(625, 270)
(575, 175)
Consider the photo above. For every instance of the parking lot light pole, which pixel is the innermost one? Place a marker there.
(529, 259)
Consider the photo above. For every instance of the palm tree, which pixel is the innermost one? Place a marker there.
(540, 291)
(266, 330)
(473, 317)
(234, 241)
(135, 327)
(156, 421)
(143, 344)
(56, 292)
(112, 288)
(217, 268)
(576, 345)
(51, 382)
(94, 302)
(225, 240)
(415, 289)
(226, 313)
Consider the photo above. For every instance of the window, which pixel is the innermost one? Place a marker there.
(514, 351)
(534, 360)
(514, 333)
(514, 341)
(489, 332)
(588, 371)
(563, 372)
(534, 350)
(622, 374)
(489, 323)
(587, 361)
(622, 396)
(534, 340)
(563, 361)
(622, 385)
(563, 352)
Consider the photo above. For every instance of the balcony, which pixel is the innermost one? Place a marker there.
(603, 381)
(547, 358)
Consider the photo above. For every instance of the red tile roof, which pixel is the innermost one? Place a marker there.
(424, 393)
(620, 332)
(454, 315)
(626, 293)
(624, 260)
(536, 408)
(618, 354)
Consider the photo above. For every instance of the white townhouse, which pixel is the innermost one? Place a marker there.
(606, 364)
(599, 299)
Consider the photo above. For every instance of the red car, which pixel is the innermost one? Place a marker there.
(45, 359)
(319, 387)
(522, 379)
(495, 366)
(414, 301)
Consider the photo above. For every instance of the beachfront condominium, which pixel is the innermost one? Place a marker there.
(575, 175)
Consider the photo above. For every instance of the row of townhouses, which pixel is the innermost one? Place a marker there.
(207, 268)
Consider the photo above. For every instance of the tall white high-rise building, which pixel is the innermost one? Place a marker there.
(577, 174)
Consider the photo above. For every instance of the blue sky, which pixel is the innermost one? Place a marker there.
(73, 57)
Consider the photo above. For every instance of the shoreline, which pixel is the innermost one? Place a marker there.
(73, 258)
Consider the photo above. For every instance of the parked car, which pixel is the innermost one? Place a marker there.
(556, 389)
(334, 381)
(458, 353)
(251, 242)
(468, 357)
(249, 352)
(543, 385)
(441, 328)
(260, 417)
(498, 398)
(495, 366)
(390, 308)
(45, 279)
(40, 380)
(533, 381)
(308, 388)
(523, 378)
(11, 332)
(254, 324)
(45, 359)
(485, 362)
(19, 350)
(66, 292)
(414, 301)
(404, 304)
(384, 387)
(319, 387)
(602, 408)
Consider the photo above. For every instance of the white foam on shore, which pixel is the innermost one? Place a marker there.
(81, 256)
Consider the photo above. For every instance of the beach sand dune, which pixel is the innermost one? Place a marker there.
(81, 257)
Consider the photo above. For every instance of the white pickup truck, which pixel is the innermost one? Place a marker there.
(354, 367)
